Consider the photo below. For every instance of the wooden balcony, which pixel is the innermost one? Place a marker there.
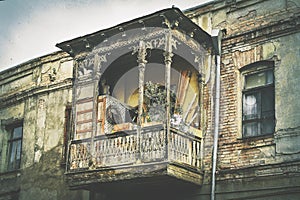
(128, 156)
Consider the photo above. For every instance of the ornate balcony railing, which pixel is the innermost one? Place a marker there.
(127, 149)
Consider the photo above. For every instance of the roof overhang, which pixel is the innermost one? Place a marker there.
(176, 18)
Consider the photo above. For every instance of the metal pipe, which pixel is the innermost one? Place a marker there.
(216, 36)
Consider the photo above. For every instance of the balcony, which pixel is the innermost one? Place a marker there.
(153, 68)
(124, 156)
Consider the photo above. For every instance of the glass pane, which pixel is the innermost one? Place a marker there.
(251, 106)
(19, 146)
(268, 126)
(255, 80)
(267, 102)
(13, 152)
(270, 77)
(17, 132)
(251, 129)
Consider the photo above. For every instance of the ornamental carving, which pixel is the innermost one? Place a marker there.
(85, 67)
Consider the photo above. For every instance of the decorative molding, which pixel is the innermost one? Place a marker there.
(133, 42)
(18, 97)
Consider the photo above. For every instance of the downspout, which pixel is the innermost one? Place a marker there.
(216, 38)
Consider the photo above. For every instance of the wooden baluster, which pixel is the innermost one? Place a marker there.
(198, 156)
(109, 146)
(97, 153)
(114, 150)
(181, 149)
(154, 142)
(72, 154)
(101, 152)
(185, 150)
(176, 145)
(104, 153)
(156, 146)
(128, 146)
(123, 149)
(190, 150)
(172, 141)
(188, 147)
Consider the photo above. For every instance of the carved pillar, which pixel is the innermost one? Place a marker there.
(168, 61)
(141, 65)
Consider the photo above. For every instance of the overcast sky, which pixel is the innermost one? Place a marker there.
(31, 28)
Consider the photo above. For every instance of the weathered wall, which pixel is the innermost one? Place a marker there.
(255, 31)
(37, 93)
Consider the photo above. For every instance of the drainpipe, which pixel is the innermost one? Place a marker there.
(216, 38)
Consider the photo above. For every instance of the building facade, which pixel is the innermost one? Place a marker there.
(200, 104)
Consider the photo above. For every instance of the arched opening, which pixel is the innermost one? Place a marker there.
(120, 81)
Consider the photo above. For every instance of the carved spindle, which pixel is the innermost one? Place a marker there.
(198, 157)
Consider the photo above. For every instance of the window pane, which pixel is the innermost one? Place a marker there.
(267, 102)
(251, 129)
(268, 126)
(270, 77)
(255, 80)
(15, 149)
(19, 146)
(17, 132)
(251, 106)
(13, 152)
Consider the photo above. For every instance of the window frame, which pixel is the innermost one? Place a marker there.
(246, 71)
(15, 165)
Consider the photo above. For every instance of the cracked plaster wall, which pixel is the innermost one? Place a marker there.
(45, 84)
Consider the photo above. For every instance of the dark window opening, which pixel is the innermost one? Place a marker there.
(15, 148)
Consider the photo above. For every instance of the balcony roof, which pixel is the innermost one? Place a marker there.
(157, 19)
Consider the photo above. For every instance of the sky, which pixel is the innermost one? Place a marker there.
(31, 28)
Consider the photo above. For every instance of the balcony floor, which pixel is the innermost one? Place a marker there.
(138, 174)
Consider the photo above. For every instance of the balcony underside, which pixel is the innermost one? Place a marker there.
(146, 174)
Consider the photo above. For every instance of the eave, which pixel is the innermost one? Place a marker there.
(173, 15)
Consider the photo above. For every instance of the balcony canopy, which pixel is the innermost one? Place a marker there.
(158, 19)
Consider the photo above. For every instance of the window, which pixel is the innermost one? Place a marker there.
(15, 148)
(258, 104)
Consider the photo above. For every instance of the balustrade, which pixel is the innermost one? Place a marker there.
(80, 154)
(120, 149)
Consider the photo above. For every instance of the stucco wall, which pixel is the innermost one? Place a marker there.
(37, 93)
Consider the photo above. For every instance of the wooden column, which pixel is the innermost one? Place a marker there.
(141, 66)
(168, 61)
